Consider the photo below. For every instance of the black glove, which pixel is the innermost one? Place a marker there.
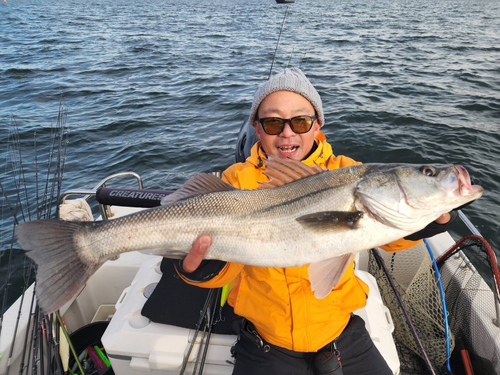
(433, 228)
(207, 270)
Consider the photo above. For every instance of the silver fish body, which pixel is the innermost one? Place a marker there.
(309, 220)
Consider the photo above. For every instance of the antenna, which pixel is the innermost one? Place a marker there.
(277, 44)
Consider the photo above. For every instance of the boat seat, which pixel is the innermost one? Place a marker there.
(179, 304)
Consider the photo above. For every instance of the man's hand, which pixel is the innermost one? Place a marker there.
(197, 253)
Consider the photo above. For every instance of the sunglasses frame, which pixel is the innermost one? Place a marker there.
(286, 121)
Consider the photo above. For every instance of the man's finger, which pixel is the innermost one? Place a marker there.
(197, 253)
(443, 219)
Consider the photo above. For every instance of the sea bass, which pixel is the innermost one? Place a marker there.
(310, 216)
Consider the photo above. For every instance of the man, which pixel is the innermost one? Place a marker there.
(286, 326)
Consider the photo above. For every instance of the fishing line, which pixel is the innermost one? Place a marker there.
(443, 302)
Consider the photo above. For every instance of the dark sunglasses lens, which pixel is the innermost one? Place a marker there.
(301, 124)
(273, 126)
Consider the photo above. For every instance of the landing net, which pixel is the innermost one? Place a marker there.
(473, 300)
(415, 280)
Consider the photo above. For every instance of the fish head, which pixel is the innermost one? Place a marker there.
(408, 196)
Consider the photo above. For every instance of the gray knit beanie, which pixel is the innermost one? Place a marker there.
(290, 79)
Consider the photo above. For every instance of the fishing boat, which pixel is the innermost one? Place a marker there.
(429, 309)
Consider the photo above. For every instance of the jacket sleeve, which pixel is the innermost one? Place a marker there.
(399, 245)
(228, 273)
(207, 270)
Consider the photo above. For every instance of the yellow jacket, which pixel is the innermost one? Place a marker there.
(279, 301)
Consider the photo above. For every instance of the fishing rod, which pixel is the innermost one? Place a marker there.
(68, 339)
(41, 336)
(30, 319)
(202, 317)
(55, 152)
(7, 276)
(33, 347)
(407, 317)
(278, 42)
(210, 322)
(35, 341)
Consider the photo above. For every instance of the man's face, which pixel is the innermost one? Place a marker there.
(287, 144)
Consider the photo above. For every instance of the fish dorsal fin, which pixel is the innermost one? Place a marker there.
(325, 275)
(200, 183)
(283, 171)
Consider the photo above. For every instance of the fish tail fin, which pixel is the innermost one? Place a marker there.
(61, 272)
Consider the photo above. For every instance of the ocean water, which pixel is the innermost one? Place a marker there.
(162, 87)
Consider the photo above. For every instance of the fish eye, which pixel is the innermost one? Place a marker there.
(428, 171)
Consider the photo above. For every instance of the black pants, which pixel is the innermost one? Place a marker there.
(359, 356)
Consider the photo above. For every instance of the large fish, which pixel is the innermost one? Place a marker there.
(310, 216)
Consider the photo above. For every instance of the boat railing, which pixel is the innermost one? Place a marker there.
(468, 223)
(104, 210)
(495, 286)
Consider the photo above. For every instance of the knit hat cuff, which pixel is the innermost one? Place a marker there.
(290, 79)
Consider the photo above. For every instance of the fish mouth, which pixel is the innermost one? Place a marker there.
(465, 187)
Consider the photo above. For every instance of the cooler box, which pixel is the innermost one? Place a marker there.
(136, 345)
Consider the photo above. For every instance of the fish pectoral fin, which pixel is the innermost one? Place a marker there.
(325, 275)
(391, 217)
(200, 183)
(330, 220)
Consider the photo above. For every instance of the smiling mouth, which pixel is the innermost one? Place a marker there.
(288, 149)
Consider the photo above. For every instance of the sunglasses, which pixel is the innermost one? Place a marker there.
(298, 124)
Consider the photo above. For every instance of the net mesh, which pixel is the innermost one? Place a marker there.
(471, 303)
(415, 280)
